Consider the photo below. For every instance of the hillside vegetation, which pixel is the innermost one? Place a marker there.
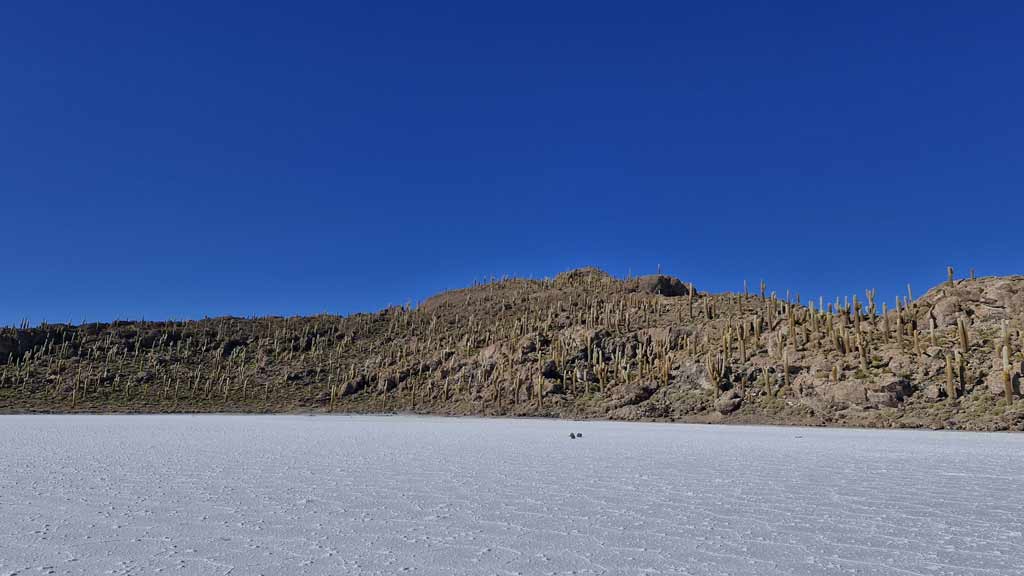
(581, 345)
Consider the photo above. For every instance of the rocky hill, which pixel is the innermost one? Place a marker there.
(581, 345)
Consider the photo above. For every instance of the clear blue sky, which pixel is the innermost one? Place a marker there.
(181, 159)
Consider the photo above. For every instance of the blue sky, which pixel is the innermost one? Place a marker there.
(184, 159)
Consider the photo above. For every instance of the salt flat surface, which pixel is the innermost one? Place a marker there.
(383, 495)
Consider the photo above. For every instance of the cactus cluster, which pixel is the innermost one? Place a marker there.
(581, 344)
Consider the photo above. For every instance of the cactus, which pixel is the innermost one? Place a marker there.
(792, 324)
(961, 326)
(862, 348)
(714, 363)
(885, 321)
(766, 383)
(319, 361)
(785, 369)
(950, 386)
(1005, 333)
(1007, 379)
(899, 324)
(961, 371)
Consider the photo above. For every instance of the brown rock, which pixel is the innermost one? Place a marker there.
(934, 391)
(946, 310)
(625, 413)
(584, 276)
(898, 388)
(488, 353)
(528, 344)
(994, 379)
(661, 284)
(550, 370)
(551, 387)
(729, 402)
(353, 386)
(849, 392)
(883, 399)
(8, 346)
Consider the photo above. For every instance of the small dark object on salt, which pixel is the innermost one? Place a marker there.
(572, 436)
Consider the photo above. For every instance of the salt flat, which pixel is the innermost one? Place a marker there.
(383, 495)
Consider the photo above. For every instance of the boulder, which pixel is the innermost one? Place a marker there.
(946, 311)
(849, 392)
(994, 379)
(578, 339)
(489, 353)
(353, 386)
(689, 376)
(808, 385)
(729, 402)
(8, 346)
(229, 346)
(551, 387)
(901, 364)
(550, 370)
(583, 277)
(883, 399)
(630, 395)
(625, 413)
(888, 391)
(661, 284)
(528, 344)
(934, 391)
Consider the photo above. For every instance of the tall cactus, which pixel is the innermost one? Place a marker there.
(1007, 379)
(950, 386)
(961, 326)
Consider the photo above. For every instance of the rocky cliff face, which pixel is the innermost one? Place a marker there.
(583, 344)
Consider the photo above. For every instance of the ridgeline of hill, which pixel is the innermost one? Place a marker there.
(582, 345)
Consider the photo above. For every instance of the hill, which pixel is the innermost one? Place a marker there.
(581, 345)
